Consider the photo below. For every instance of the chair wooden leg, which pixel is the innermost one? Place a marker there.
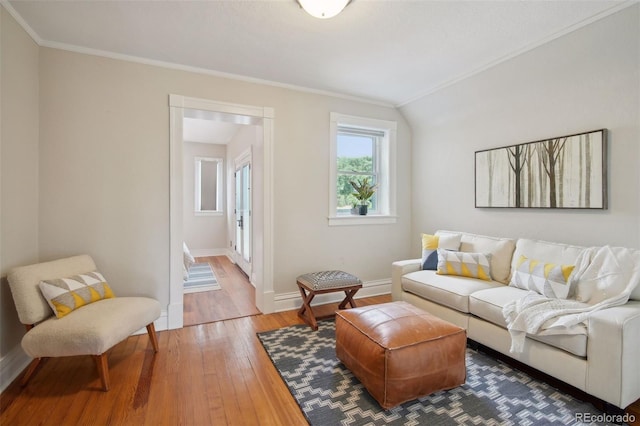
(31, 368)
(103, 369)
(151, 330)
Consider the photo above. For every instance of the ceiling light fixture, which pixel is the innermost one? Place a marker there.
(323, 9)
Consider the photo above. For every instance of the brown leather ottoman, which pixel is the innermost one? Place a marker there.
(400, 352)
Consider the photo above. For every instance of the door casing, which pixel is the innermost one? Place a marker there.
(264, 278)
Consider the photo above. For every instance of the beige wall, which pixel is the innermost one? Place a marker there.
(585, 80)
(104, 172)
(19, 166)
(201, 232)
(303, 240)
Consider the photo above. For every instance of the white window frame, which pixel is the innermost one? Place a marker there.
(387, 170)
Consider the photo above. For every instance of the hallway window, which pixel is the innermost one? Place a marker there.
(208, 186)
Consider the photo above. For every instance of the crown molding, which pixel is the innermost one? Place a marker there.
(21, 22)
(174, 66)
(169, 65)
(198, 70)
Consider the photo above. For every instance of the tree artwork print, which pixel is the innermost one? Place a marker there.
(564, 172)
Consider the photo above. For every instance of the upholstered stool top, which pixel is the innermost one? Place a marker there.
(328, 279)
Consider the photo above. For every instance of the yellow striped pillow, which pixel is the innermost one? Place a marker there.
(470, 265)
(548, 279)
(64, 295)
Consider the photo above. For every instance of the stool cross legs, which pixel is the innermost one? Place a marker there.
(325, 282)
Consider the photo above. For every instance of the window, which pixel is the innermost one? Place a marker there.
(361, 148)
(358, 158)
(208, 186)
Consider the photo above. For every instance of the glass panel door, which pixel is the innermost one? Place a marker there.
(243, 216)
(246, 211)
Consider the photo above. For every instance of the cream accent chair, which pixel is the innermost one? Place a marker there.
(90, 330)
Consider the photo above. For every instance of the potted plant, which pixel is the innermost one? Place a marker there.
(364, 190)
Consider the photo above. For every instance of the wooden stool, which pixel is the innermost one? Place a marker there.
(325, 282)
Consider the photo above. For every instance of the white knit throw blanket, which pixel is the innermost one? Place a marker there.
(603, 277)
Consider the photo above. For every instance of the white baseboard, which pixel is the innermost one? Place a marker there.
(201, 288)
(210, 252)
(290, 301)
(14, 363)
(11, 365)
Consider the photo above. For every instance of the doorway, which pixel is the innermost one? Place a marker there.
(257, 215)
(217, 286)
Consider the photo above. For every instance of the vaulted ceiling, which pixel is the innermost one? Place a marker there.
(391, 51)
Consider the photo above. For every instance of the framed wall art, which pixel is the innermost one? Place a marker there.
(566, 172)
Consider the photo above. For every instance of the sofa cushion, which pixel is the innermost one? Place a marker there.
(500, 248)
(463, 264)
(548, 279)
(487, 304)
(431, 244)
(91, 330)
(447, 290)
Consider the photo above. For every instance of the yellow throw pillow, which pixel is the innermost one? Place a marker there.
(548, 279)
(429, 251)
(431, 244)
(67, 294)
(471, 265)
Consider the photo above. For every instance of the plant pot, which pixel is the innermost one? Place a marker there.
(363, 210)
(355, 210)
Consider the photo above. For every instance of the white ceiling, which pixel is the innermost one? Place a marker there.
(391, 51)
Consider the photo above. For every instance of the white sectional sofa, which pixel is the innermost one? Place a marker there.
(603, 361)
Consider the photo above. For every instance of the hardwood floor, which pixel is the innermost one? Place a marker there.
(236, 298)
(209, 374)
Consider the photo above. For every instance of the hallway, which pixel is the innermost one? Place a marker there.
(235, 300)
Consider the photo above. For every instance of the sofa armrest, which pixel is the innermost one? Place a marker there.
(398, 269)
(613, 350)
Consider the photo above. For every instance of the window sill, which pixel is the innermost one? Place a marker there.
(361, 220)
(209, 213)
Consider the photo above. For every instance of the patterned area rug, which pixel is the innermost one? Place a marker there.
(201, 278)
(494, 393)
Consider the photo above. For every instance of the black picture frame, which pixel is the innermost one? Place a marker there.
(565, 172)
